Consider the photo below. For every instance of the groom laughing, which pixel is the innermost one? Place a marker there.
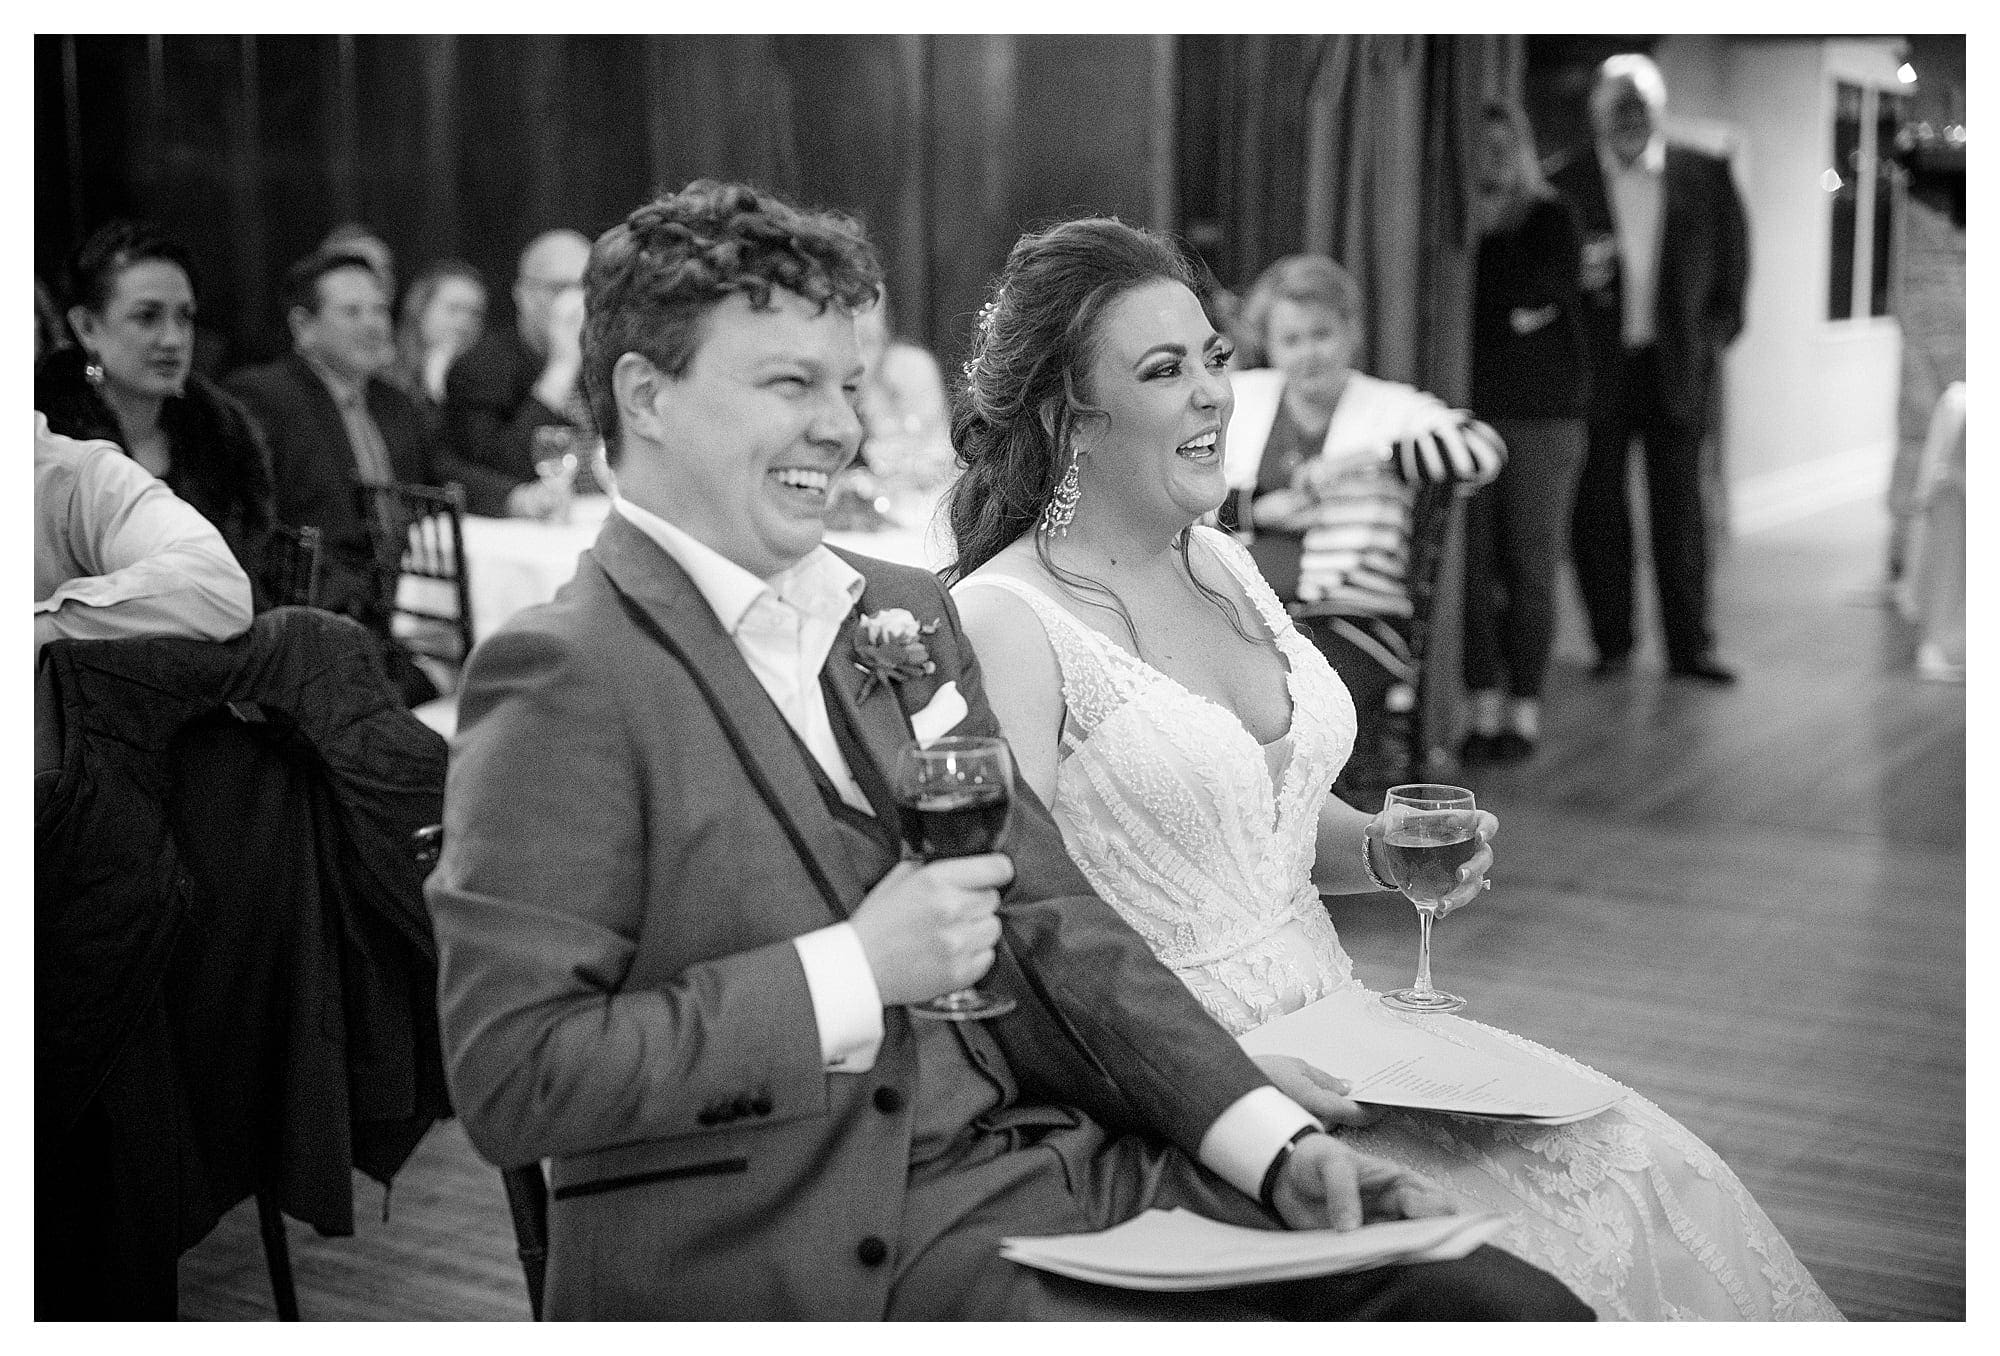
(677, 943)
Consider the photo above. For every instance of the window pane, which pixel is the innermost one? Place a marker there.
(1843, 183)
(1889, 113)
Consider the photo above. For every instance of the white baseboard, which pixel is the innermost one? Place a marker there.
(1774, 498)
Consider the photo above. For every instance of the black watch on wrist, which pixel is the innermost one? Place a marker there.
(1268, 1188)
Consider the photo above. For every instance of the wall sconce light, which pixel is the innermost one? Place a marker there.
(1907, 73)
(1830, 181)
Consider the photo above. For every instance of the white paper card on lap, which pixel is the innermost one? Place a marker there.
(1180, 1250)
(1434, 1063)
(945, 710)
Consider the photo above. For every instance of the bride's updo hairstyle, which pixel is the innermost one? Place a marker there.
(1024, 392)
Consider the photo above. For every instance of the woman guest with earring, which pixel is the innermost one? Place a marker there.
(443, 314)
(1530, 378)
(129, 379)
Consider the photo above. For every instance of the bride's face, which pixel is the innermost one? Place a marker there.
(1159, 374)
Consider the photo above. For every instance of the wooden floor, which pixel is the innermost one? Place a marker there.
(1748, 904)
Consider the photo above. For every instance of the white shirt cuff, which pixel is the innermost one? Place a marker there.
(846, 1003)
(1240, 1145)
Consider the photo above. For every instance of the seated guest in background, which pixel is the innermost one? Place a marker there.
(1182, 731)
(117, 555)
(1531, 378)
(1327, 457)
(334, 424)
(354, 237)
(443, 315)
(675, 937)
(129, 380)
(520, 379)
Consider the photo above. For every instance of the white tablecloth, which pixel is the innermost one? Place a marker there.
(513, 563)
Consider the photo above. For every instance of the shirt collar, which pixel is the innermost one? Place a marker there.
(1652, 160)
(346, 391)
(821, 585)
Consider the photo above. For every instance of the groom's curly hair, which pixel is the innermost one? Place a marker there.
(652, 277)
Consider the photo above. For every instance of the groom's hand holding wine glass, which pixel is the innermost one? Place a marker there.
(930, 928)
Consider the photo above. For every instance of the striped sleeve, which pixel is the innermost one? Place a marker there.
(1453, 446)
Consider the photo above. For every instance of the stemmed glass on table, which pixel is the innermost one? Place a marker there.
(556, 464)
(953, 796)
(1431, 832)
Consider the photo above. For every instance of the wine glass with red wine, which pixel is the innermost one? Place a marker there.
(953, 796)
(1432, 831)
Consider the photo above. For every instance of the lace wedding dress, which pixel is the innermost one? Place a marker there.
(1204, 840)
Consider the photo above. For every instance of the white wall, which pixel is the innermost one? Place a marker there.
(1809, 405)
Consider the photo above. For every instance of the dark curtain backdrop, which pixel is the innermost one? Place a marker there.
(252, 147)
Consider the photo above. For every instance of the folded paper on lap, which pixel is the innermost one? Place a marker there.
(1180, 1250)
(1434, 1063)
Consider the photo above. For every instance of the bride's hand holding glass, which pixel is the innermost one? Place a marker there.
(1472, 880)
(1438, 846)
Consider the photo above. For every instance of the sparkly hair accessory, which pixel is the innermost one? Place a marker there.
(982, 330)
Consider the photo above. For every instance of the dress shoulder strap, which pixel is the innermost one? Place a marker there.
(1091, 685)
(1237, 560)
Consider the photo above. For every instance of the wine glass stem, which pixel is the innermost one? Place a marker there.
(1425, 917)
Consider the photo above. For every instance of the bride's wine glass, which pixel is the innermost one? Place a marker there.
(953, 795)
(1431, 832)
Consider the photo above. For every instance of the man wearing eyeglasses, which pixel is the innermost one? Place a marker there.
(517, 381)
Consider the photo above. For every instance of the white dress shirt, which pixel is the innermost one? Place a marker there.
(1638, 205)
(785, 627)
(118, 554)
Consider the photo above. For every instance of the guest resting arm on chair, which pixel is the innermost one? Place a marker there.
(117, 555)
(675, 936)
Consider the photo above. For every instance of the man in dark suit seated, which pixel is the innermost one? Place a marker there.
(516, 382)
(676, 942)
(333, 425)
(1666, 264)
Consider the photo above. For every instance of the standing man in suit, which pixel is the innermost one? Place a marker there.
(333, 425)
(676, 941)
(515, 382)
(1666, 263)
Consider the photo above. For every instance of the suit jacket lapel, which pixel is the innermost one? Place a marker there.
(878, 721)
(655, 584)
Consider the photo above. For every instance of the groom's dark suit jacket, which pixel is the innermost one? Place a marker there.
(634, 837)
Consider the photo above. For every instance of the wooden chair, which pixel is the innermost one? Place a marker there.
(292, 566)
(419, 535)
(1432, 515)
(527, 1189)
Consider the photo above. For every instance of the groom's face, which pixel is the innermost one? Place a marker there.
(757, 427)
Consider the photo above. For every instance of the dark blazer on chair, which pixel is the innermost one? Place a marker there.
(314, 467)
(1704, 270)
(234, 973)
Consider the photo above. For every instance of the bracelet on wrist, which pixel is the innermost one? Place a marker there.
(1267, 1189)
(1368, 864)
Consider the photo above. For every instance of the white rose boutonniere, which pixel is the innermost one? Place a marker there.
(890, 648)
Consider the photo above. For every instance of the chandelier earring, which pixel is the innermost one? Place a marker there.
(1061, 508)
